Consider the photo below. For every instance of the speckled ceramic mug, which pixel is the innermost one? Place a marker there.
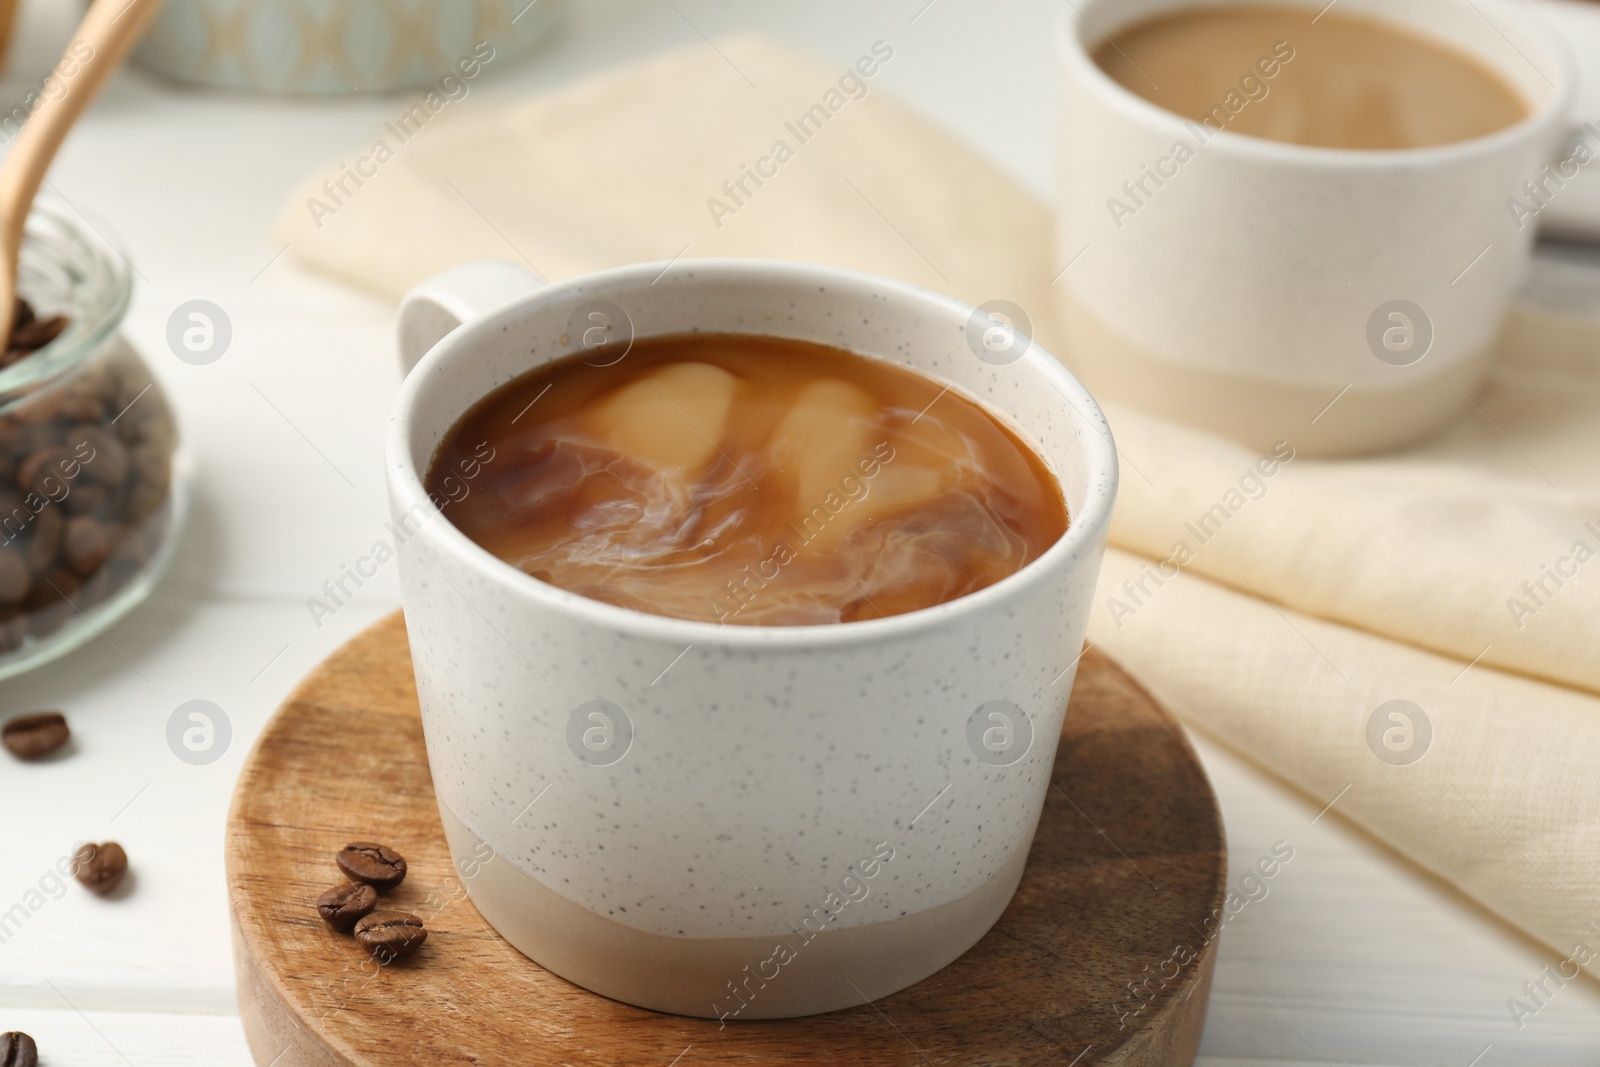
(736, 822)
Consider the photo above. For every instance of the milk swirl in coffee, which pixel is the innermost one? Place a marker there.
(749, 481)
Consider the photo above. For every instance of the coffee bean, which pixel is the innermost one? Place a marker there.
(30, 336)
(45, 471)
(43, 538)
(381, 868)
(100, 867)
(32, 736)
(152, 463)
(53, 592)
(388, 935)
(85, 544)
(14, 576)
(18, 1050)
(39, 429)
(344, 905)
(81, 401)
(42, 624)
(96, 590)
(94, 500)
(93, 443)
(130, 383)
(13, 628)
(158, 432)
(132, 547)
(105, 458)
(143, 500)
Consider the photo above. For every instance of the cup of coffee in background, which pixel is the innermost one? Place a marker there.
(1302, 222)
(744, 601)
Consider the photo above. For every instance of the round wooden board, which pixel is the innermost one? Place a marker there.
(1105, 953)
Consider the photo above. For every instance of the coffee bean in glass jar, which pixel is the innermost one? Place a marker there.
(88, 502)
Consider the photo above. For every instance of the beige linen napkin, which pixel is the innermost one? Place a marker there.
(1483, 543)
(666, 159)
(1503, 803)
(1389, 579)
(1428, 576)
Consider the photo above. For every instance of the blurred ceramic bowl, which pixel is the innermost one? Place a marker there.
(337, 46)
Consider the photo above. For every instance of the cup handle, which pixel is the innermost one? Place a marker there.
(434, 308)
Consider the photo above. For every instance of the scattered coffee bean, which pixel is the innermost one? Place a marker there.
(344, 905)
(381, 868)
(18, 1050)
(388, 935)
(32, 736)
(100, 867)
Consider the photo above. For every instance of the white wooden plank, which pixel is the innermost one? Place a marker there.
(1367, 958)
(69, 1038)
(162, 943)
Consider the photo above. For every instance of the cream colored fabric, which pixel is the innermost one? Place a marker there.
(1484, 542)
(1504, 802)
(623, 168)
(1428, 576)
(1391, 578)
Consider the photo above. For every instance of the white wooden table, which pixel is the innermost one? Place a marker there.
(1355, 956)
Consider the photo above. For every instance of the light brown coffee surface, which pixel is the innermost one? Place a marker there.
(746, 480)
(1345, 81)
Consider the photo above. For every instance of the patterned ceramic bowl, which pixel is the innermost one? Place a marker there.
(338, 46)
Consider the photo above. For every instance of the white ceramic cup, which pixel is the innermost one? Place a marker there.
(736, 822)
(1344, 301)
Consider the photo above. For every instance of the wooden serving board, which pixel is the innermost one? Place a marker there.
(1104, 957)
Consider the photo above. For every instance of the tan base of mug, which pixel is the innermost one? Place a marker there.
(1315, 420)
(735, 977)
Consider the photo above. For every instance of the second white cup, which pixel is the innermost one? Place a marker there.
(1345, 301)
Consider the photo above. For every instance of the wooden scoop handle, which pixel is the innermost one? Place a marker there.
(8, 17)
(104, 38)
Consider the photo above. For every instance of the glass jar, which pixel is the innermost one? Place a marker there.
(90, 498)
